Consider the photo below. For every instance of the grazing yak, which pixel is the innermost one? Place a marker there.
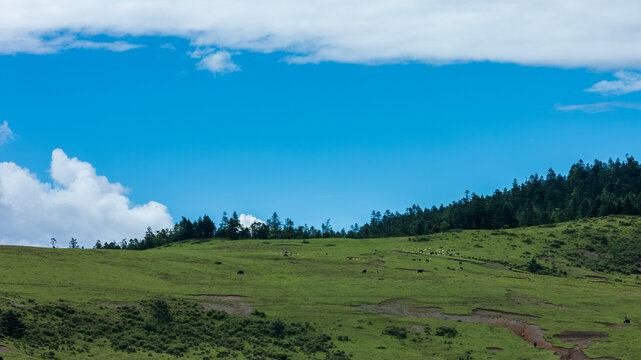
(364, 271)
(240, 272)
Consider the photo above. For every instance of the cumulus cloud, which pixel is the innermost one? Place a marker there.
(568, 33)
(627, 82)
(79, 203)
(218, 62)
(600, 107)
(6, 134)
(247, 220)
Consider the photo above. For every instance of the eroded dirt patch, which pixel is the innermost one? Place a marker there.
(609, 324)
(6, 349)
(494, 348)
(492, 312)
(231, 304)
(533, 334)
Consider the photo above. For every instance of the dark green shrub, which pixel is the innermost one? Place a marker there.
(396, 331)
(278, 327)
(445, 331)
(11, 325)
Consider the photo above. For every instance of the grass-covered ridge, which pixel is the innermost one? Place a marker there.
(318, 290)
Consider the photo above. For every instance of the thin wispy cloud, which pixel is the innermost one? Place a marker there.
(626, 82)
(6, 134)
(571, 33)
(117, 46)
(599, 107)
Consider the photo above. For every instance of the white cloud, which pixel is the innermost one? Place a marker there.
(78, 204)
(627, 82)
(600, 107)
(218, 62)
(117, 46)
(6, 134)
(569, 33)
(247, 220)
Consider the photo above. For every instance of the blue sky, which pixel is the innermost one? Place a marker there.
(313, 140)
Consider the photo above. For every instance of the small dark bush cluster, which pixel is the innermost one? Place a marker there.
(445, 331)
(396, 331)
(11, 325)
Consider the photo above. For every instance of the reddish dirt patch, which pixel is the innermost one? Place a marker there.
(231, 304)
(581, 335)
(493, 348)
(543, 257)
(15, 303)
(492, 312)
(533, 334)
(5, 349)
(608, 324)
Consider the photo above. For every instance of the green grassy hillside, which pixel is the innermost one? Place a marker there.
(479, 283)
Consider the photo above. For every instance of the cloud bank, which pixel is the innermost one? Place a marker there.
(78, 204)
(6, 134)
(570, 33)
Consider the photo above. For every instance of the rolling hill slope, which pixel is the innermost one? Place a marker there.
(472, 294)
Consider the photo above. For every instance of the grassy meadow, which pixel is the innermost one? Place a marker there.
(321, 282)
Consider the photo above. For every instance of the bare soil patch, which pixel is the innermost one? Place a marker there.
(581, 335)
(15, 303)
(6, 349)
(533, 334)
(492, 312)
(630, 292)
(494, 348)
(231, 304)
(609, 324)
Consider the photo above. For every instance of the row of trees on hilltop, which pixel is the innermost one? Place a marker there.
(229, 227)
(589, 190)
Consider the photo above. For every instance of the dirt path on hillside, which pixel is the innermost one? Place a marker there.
(231, 304)
(533, 334)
